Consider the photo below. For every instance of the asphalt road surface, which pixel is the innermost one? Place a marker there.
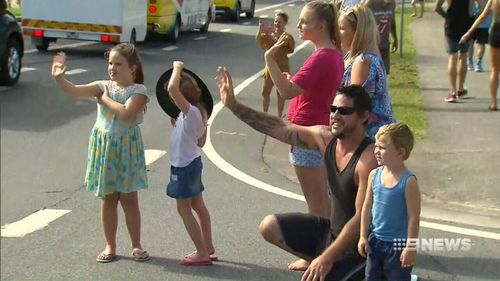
(44, 136)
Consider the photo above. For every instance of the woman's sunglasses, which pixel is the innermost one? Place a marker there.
(342, 110)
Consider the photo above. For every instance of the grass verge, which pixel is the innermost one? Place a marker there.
(404, 82)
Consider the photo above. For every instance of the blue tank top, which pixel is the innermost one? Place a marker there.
(389, 214)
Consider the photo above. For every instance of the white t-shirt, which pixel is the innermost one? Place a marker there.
(184, 138)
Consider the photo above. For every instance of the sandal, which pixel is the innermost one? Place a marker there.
(492, 108)
(213, 256)
(105, 258)
(191, 261)
(140, 255)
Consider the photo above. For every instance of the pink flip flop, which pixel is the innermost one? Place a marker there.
(190, 261)
(213, 256)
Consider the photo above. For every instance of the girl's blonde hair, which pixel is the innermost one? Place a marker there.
(366, 35)
(327, 12)
(400, 135)
(130, 53)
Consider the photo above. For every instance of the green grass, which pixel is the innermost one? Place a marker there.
(16, 11)
(404, 82)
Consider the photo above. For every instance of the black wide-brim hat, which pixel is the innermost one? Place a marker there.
(166, 102)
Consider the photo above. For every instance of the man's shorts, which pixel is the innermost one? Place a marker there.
(304, 157)
(310, 235)
(452, 46)
(185, 182)
(481, 36)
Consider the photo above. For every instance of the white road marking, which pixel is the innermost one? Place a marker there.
(246, 23)
(460, 230)
(276, 6)
(26, 69)
(291, 5)
(229, 169)
(226, 30)
(76, 71)
(152, 155)
(31, 223)
(57, 47)
(169, 48)
(200, 38)
(264, 16)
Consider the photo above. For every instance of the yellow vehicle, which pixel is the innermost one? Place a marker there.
(233, 8)
(170, 17)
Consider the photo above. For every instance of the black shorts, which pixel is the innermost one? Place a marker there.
(481, 36)
(495, 35)
(310, 235)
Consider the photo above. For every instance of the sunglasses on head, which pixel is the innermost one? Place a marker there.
(342, 110)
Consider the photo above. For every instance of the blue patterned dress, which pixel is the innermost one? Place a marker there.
(376, 86)
(116, 160)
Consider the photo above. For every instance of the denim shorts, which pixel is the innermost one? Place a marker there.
(382, 262)
(304, 157)
(452, 46)
(186, 182)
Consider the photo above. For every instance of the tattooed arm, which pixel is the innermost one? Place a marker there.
(309, 137)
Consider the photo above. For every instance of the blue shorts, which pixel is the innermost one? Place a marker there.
(304, 157)
(382, 262)
(452, 46)
(186, 182)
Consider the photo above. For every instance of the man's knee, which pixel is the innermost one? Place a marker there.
(269, 229)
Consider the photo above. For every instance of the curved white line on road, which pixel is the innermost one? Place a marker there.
(229, 169)
(222, 164)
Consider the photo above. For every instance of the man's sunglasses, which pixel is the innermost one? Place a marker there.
(343, 110)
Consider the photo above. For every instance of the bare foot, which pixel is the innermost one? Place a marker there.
(298, 265)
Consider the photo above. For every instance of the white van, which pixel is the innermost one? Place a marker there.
(94, 20)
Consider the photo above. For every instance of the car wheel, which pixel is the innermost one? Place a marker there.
(237, 12)
(44, 45)
(173, 35)
(204, 28)
(11, 68)
(251, 13)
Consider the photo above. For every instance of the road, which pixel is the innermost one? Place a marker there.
(44, 138)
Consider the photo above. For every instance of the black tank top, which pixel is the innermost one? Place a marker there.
(342, 186)
(457, 20)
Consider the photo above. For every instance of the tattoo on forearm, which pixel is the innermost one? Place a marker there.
(269, 125)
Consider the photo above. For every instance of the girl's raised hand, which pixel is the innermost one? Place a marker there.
(59, 65)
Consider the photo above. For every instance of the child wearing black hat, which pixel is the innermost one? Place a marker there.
(190, 96)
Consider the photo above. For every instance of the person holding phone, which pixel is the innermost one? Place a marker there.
(268, 34)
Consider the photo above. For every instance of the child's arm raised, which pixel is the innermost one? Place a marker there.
(366, 216)
(203, 138)
(75, 91)
(133, 106)
(412, 196)
(174, 87)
